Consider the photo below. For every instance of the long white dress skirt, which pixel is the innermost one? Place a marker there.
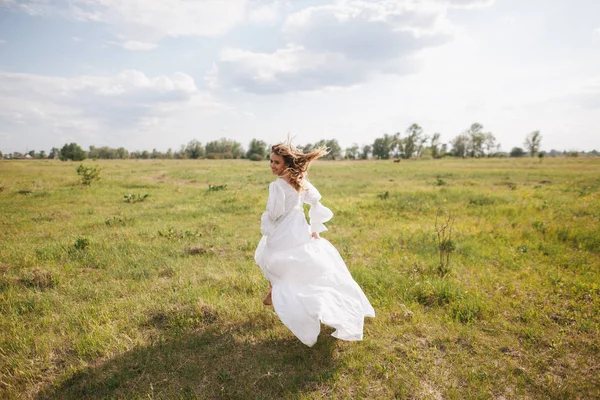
(311, 283)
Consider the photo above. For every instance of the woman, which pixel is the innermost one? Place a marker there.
(309, 281)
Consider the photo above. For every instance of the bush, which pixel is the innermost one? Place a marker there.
(88, 174)
(133, 198)
(81, 243)
(517, 152)
(73, 152)
(216, 188)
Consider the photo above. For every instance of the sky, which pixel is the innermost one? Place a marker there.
(156, 74)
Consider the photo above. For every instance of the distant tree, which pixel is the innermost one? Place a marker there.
(145, 155)
(93, 152)
(72, 151)
(435, 145)
(460, 145)
(490, 145)
(54, 153)
(352, 152)
(32, 153)
(365, 152)
(476, 140)
(397, 146)
(122, 153)
(414, 141)
(257, 150)
(1, 155)
(42, 154)
(532, 142)
(104, 152)
(156, 154)
(421, 145)
(307, 148)
(169, 154)
(335, 150)
(194, 150)
(517, 152)
(180, 154)
(224, 148)
(382, 147)
(541, 156)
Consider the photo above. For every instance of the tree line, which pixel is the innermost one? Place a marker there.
(413, 143)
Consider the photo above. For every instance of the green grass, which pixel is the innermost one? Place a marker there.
(108, 293)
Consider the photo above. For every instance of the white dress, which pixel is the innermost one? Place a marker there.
(311, 283)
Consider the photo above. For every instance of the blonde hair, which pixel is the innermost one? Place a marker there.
(296, 161)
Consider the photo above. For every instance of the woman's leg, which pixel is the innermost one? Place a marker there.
(267, 301)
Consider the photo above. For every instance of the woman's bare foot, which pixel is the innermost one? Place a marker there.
(268, 301)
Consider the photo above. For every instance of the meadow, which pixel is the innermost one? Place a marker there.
(143, 285)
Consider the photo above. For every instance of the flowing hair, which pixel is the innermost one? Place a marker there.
(296, 161)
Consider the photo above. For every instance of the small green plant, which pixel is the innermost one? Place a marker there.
(119, 221)
(539, 226)
(87, 175)
(446, 245)
(135, 198)
(216, 188)
(522, 248)
(172, 233)
(81, 243)
(467, 309)
(383, 195)
(482, 200)
(439, 181)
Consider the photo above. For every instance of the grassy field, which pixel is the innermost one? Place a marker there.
(103, 296)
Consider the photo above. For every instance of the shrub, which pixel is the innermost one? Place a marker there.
(216, 188)
(439, 181)
(73, 152)
(81, 243)
(435, 292)
(88, 175)
(446, 245)
(467, 309)
(133, 198)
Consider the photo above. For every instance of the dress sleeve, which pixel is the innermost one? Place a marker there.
(275, 208)
(318, 213)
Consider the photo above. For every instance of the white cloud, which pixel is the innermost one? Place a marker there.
(95, 105)
(133, 45)
(466, 3)
(292, 69)
(151, 20)
(148, 21)
(336, 46)
(2, 41)
(262, 13)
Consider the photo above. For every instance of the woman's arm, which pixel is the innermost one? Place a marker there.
(275, 208)
(318, 214)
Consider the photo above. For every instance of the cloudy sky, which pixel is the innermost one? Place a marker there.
(147, 74)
